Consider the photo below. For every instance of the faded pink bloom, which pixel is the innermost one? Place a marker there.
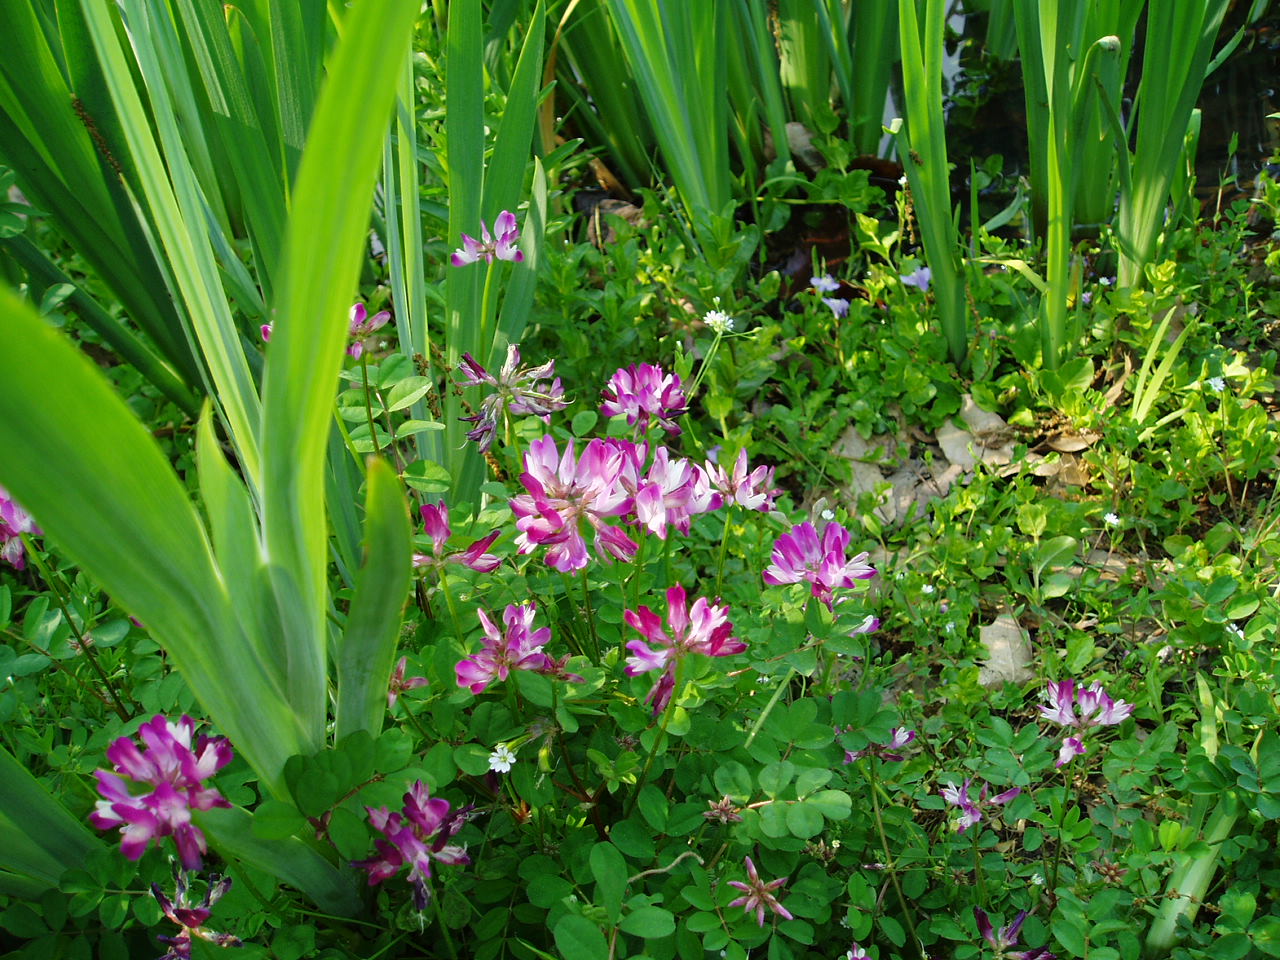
(399, 684)
(799, 555)
(417, 835)
(14, 521)
(753, 490)
(971, 809)
(518, 647)
(489, 249)
(703, 628)
(899, 737)
(564, 492)
(1096, 709)
(435, 522)
(176, 774)
(191, 917)
(759, 895)
(518, 390)
(643, 391)
(362, 325)
(1007, 937)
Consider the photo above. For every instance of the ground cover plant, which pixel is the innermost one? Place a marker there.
(796, 554)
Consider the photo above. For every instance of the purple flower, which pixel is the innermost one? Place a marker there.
(191, 917)
(825, 283)
(759, 895)
(971, 810)
(752, 490)
(671, 493)
(918, 278)
(899, 737)
(362, 325)
(1096, 709)
(1008, 937)
(703, 628)
(517, 390)
(564, 491)
(176, 774)
(839, 306)
(399, 684)
(14, 521)
(799, 555)
(417, 835)
(642, 391)
(504, 248)
(518, 647)
(435, 522)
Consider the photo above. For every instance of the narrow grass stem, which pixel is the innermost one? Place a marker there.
(888, 856)
(660, 741)
(83, 642)
(724, 549)
(591, 618)
(768, 707)
(453, 609)
(368, 404)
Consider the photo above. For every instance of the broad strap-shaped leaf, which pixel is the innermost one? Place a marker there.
(101, 488)
(294, 861)
(325, 238)
(368, 644)
(39, 839)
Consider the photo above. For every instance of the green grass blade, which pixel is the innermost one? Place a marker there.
(38, 837)
(323, 250)
(106, 495)
(367, 648)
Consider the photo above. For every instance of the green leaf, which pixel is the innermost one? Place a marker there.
(804, 820)
(367, 650)
(577, 938)
(407, 392)
(275, 820)
(649, 922)
(610, 872)
(733, 780)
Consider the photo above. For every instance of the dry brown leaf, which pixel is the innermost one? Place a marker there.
(1072, 441)
(1008, 652)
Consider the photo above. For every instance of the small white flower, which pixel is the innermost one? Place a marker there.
(950, 626)
(501, 759)
(1037, 879)
(763, 678)
(1106, 282)
(718, 320)
(828, 515)
(927, 588)
(1111, 520)
(825, 283)
(1217, 384)
(902, 180)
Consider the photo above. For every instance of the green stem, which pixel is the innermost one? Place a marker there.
(368, 404)
(660, 741)
(768, 707)
(1062, 819)
(591, 618)
(724, 548)
(453, 609)
(485, 334)
(84, 644)
(977, 867)
(444, 928)
(888, 857)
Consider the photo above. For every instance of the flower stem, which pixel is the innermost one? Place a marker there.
(368, 404)
(591, 617)
(85, 645)
(724, 548)
(890, 867)
(453, 609)
(661, 739)
(768, 707)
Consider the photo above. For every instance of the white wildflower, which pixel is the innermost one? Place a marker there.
(501, 759)
(718, 320)
(1111, 520)
(1217, 384)
(927, 588)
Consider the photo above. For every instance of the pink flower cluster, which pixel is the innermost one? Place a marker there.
(435, 522)
(359, 326)
(704, 629)
(642, 392)
(899, 737)
(1097, 709)
(759, 895)
(799, 555)
(417, 835)
(487, 248)
(175, 772)
(14, 521)
(518, 647)
(971, 809)
(518, 389)
(567, 494)
(191, 917)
